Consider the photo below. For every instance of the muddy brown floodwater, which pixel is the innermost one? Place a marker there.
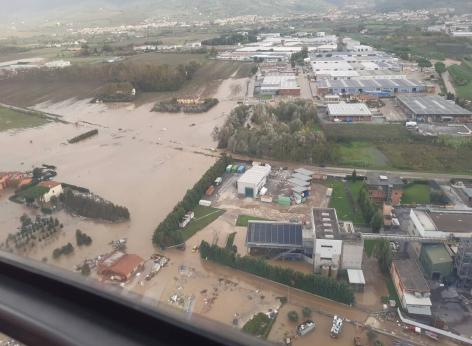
(140, 159)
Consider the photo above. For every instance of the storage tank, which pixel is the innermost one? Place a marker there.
(334, 272)
(325, 270)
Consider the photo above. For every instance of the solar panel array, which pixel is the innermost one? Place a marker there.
(280, 234)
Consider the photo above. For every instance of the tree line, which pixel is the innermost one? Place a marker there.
(172, 106)
(371, 213)
(168, 232)
(229, 40)
(150, 76)
(94, 207)
(316, 284)
(288, 131)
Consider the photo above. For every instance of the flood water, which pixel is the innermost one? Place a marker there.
(146, 161)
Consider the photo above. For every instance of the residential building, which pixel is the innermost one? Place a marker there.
(251, 182)
(384, 188)
(436, 261)
(55, 190)
(433, 109)
(349, 112)
(411, 286)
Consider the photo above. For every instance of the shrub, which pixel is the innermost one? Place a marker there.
(292, 316)
(306, 312)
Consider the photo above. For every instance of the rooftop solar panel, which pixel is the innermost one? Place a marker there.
(276, 234)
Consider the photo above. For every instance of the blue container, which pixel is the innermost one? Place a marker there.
(241, 169)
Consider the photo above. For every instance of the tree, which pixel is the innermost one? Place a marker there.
(440, 67)
(306, 312)
(383, 253)
(37, 173)
(422, 63)
(292, 316)
(354, 175)
(376, 222)
(85, 270)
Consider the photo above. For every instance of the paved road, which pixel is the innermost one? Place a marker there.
(446, 77)
(344, 171)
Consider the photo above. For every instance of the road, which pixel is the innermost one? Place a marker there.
(344, 170)
(446, 77)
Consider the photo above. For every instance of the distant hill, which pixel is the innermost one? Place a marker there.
(389, 5)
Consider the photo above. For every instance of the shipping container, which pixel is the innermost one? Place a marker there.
(241, 169)
(228, 168)
(234, 168)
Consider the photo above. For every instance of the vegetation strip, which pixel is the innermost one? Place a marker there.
(312, 283)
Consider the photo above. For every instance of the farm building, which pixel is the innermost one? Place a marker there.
(283, 85)
(379, 87)
(436, 261)
(433, 109)
(411, 286)
(55, 190)
(251, 182)
(120, 266)
(349, 112)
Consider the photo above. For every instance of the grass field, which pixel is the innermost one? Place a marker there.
(243, 220)
(361, 154)
(203, 217)
(32, 192)
(11, 119)
(369, 245)
(393, 147)
(342, 203)
(462, 78)
(416, 193)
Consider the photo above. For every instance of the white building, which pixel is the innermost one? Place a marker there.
(57, 64)
(441, 223)
(55, 189)
(349, 112)
(335, 246)
(251, 182)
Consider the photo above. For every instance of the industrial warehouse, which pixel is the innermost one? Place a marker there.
(433, 109)
(349, 112)
(378, 87)
(329, 245)
(283, 85)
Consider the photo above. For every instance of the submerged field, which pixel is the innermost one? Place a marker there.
(11, 119)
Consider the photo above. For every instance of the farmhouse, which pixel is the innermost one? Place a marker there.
(55, 190)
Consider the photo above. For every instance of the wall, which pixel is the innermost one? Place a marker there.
(327, 252)
(352, 255)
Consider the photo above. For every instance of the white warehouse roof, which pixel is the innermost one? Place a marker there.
(348, 109)
(254, 175)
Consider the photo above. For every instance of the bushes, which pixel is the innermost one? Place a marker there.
(172, 106)
(292, 316)
(82, 238)
(65, 250)
(168, 233)
(316, 284)
(92, 206)
(369, 210)
(306, 312)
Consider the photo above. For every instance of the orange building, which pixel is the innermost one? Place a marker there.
(120, 266)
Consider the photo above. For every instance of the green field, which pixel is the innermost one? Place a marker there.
(243, 220)
(416, 193)
(203, 217)
(11, 119)
(32, 192)
(361, 154)
(462, 78)
(341, 201)
(369, 245)
(393, 147)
